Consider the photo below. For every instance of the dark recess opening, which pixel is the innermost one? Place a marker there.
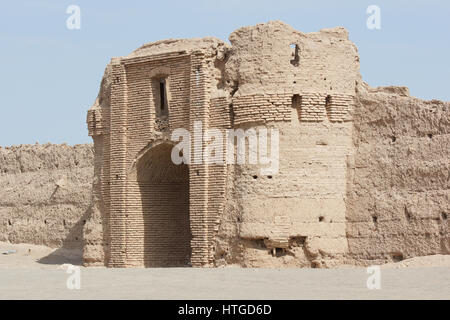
(296, 101)
(397, 257)
(162, 94)
(296, 61)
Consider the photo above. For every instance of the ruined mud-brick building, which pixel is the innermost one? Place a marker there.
(363, 173)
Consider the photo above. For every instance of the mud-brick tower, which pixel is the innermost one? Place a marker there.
(147, 211)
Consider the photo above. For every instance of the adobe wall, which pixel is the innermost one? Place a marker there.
(342, 192)
(45, 193)
(300, 84)
(399, 192)
(363, 173)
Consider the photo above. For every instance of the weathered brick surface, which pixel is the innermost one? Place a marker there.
(149, 212)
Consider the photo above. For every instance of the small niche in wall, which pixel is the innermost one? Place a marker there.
(397, 257)
(296, 101)
(297, 241)
(296, 106)
(328, 106)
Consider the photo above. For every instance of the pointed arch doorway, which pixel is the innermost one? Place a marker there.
(164, 203)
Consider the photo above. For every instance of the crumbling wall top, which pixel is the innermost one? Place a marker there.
(207, 45)
(273, 57)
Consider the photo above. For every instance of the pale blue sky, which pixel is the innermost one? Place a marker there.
(51, 75)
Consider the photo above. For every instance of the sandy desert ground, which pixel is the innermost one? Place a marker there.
(38, 272)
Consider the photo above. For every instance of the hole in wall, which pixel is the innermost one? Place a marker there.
(407, 214)
(162, 94)
(394, 139)
(321, 218)
(296, 105)
(375, 219)
(269, 177)
(255, 177)
(296, 101)
(327, 106)
(161, 102)
(430, 135)
(256, 244)
(296, 242)
(117, 176)
(444, 216)
(9, 223)
(279, 252)
(295, 54)
(235, 87)
(397, 257)
(231, 111)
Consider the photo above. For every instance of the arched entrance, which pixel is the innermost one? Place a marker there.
(164, 195)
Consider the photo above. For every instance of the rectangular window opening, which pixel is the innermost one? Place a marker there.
(162, 94)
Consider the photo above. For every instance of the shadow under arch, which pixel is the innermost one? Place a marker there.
(162, 206)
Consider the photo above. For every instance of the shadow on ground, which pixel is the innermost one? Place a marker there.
(71, 251)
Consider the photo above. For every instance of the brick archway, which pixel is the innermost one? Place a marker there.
(163, 202)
